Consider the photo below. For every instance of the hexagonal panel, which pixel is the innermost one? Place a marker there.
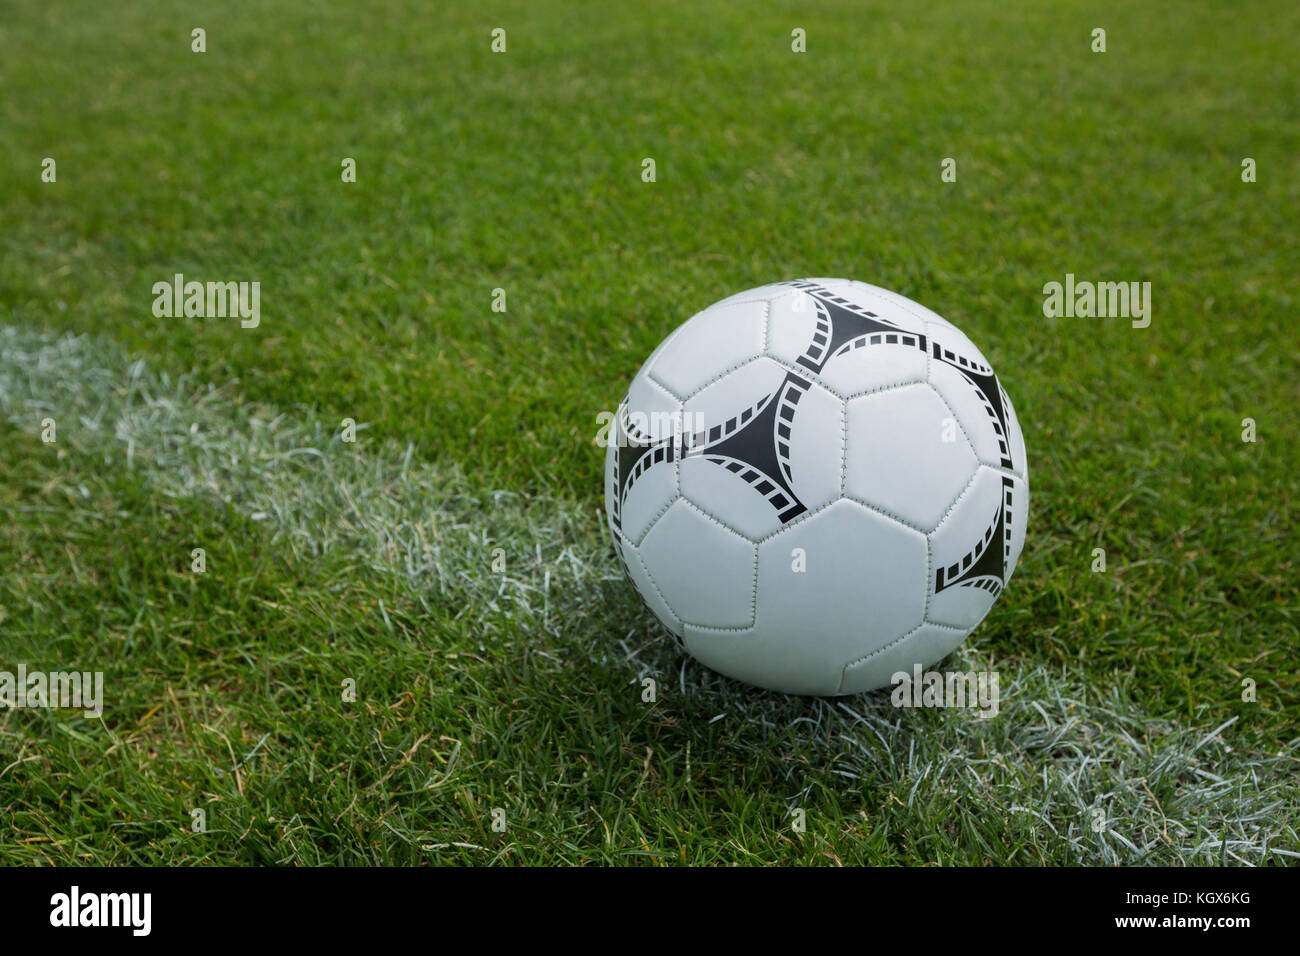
(611, 474)
(763, 441)
(650, 410)
(712, 409)
(863, 586)
(975, 399)
(791, 325)
(704, 572)
(926, 645)
(971, 551)
(643, 446)
(645, 366)
(835, 285)
(893, 306)
(647, 498)
(814, 464)
(953, 340)
(875, 361)
(724, 495)
(762, 293)
(1019, 457)
(905, 455)
(1019, 522)
(646, 587)
(713, 341)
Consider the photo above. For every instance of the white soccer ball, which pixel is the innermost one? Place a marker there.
(817, 484)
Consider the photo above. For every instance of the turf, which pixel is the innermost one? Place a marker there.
(522, 171)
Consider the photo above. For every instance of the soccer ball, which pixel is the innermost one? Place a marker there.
(817, 484)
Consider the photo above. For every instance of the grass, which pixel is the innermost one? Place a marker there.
(478, 689)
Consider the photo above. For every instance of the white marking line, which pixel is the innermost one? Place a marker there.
(1061, 747)
(424, 522)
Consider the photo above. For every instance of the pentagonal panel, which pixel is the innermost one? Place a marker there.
(831, 588)
(905, 455)
(925, 645)
(972, 549)
(715, 340)
(703, 571)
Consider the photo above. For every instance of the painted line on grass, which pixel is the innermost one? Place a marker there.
(1080, 764)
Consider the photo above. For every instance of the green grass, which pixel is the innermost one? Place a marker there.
(517, 689)
(522, 171)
